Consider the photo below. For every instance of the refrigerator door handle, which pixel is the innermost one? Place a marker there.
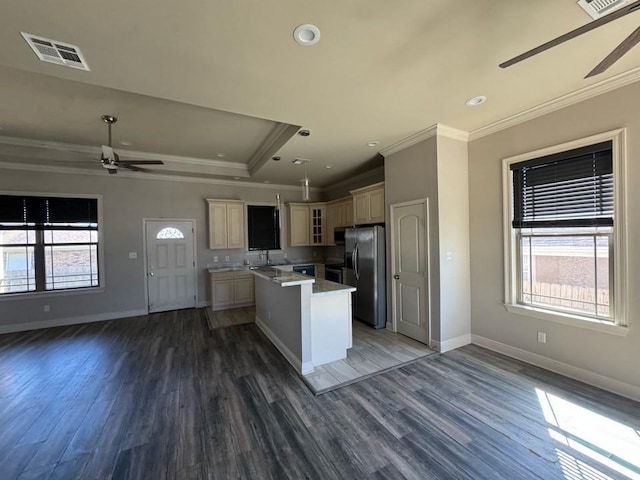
(356, 269)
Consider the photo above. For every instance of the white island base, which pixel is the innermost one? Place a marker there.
(308, 320)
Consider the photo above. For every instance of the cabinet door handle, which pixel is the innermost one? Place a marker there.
(151, 274)
(396, 276)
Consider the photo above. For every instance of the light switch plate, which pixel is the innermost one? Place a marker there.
(133, 255)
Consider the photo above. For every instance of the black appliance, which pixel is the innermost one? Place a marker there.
(338, 235)
(309, 270)
(333, 272)
(264, 227)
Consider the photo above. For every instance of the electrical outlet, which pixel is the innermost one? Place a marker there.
(542, 337)
(226, 259)
(133, 255)
(215, 259)
(269, 315)
(47, 308)
(285, 254)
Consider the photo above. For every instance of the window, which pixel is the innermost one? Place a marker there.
(264, 227)
(563, 231)
(169, 233)
(47, 243)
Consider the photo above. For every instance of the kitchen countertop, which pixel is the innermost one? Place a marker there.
(325, 287)
(284, 278)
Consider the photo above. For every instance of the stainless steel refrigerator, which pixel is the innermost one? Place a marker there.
(364, 258)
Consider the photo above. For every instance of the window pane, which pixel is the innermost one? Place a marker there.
(17, 272)
(71, 266)
(70, 236)
(563, 273)
(17, 237)
(525, 244)
(603, 276)
(169, 232)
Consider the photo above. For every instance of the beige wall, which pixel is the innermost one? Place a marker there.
(453, 206)
(613, 356)
(126, 202)
(409, 175)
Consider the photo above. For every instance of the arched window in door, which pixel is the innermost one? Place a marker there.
(169, 233)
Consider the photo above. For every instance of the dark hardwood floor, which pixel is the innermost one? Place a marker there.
(161, 396)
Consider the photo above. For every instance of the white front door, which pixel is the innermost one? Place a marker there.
(171, 271)
(409, 269)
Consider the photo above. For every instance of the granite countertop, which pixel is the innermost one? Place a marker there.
(224, 268)
(285, 279)
(325, 287)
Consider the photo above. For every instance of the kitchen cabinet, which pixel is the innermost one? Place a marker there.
(339, 214)
(226, 224)
(232, 289)
(368, 204)
(307, 224)
(298, 225)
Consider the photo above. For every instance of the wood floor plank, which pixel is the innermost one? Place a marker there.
(162, 396)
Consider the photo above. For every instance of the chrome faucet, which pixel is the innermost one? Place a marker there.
(268, 259)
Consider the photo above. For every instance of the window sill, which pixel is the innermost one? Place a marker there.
(568, 319)
(49, 294)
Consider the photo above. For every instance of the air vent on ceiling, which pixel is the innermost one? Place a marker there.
(600, 8)
(53, 51)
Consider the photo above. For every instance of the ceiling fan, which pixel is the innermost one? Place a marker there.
(110, 159)
(626, 45)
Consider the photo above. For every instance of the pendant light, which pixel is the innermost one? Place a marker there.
(305, 185)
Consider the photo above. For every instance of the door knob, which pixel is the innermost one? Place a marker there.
(151, 274)
(396, 276)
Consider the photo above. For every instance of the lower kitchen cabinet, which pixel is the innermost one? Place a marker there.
(232, 289)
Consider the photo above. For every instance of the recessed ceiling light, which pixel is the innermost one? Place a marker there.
(373, 143)
(329, 167)
(124, 143)
(236, 178)
(306, 34)
(299, 161)
(479, 100)
(275, 159)
(266, 181)
(304, 133)
(220, 155)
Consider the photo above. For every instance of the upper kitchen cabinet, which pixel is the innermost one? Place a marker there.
(339, 214)
(368, 204)
(226, 224)
(307, 224)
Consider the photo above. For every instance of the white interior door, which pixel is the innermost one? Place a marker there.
(409, 269)
(171, 271)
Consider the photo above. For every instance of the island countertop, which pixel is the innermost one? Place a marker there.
(325, 287)
(284, 278)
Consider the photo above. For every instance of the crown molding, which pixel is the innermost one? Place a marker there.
(351, 182)
(279, 136)
(438, 129)
(40, 168)
(95, 151)
(585, 93)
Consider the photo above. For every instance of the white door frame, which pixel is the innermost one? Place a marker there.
(144, 253)
(425, 205)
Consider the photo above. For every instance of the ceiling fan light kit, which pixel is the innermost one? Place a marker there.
(603, 5)
(110, 159)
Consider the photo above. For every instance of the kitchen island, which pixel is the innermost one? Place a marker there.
(307, 319)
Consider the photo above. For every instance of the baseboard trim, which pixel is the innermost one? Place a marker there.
(577, 373)
(451, 344)
(63, 322)
(202, 304)
(301, 368)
